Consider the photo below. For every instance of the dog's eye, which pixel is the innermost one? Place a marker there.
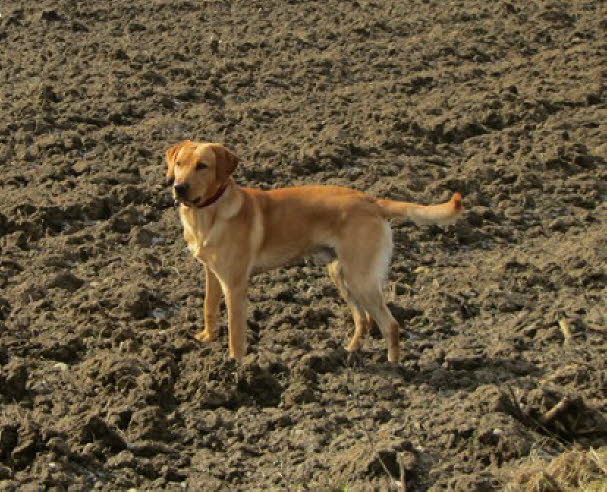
(200, 166)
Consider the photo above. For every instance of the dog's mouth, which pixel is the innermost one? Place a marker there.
(188, 203)
(200, 201)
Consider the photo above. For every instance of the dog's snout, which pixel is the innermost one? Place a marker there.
(181, 189)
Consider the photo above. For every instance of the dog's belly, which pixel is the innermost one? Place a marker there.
(322, 255)
(319, 254)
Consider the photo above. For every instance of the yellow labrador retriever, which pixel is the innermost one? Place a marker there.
(236, 232)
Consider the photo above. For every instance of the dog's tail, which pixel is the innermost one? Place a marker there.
(442, 214)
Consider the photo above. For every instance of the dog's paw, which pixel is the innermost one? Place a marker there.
(354, 359)
(205, 336)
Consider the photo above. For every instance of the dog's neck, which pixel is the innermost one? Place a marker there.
(199, 222)
(217, 199)
(218, 194)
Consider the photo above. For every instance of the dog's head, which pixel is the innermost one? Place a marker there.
(196, 171)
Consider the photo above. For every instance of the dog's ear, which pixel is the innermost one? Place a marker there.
(171, 154)
(226, 162)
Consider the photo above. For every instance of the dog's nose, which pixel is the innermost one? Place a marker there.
(181, 189)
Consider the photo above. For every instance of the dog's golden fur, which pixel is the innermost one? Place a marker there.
(236, 232)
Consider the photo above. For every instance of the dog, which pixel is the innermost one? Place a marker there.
(237, 232)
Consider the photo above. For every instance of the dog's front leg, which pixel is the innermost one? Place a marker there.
(236, 300)
(211, 307)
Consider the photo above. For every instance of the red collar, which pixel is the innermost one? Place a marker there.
(214, 198)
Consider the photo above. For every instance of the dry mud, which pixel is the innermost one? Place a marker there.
(101, 383)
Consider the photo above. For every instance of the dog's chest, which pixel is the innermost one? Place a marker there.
(201, 233)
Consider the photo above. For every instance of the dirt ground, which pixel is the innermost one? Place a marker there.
(102, 386)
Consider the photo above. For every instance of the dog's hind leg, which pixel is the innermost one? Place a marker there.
(362, 319)
(373, 301)
(364, 263)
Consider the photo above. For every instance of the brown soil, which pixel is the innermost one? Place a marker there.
(101, 383)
